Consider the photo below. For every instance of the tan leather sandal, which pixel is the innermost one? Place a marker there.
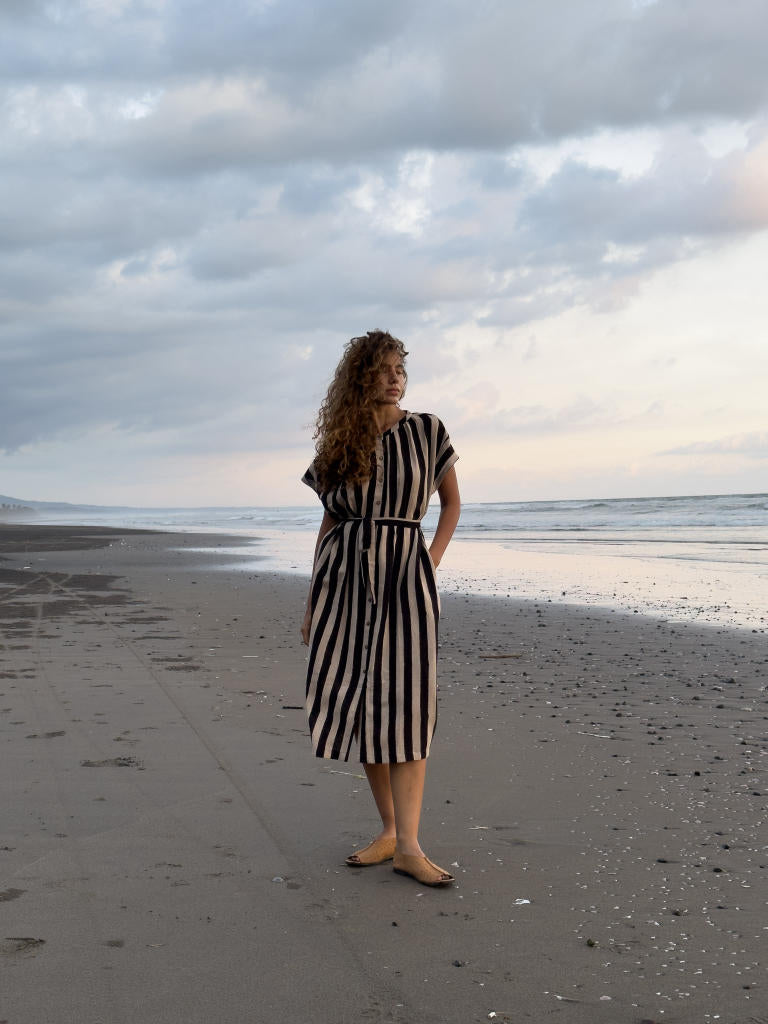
(422, 869)
(375, 852)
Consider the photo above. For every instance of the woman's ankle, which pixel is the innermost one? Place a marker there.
(409, 847)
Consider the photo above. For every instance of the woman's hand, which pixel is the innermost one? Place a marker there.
(305, 627)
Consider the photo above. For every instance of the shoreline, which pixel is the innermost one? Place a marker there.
(219, 551)
(597, 783)
(694, 582)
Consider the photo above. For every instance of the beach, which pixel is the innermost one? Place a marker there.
(171, 850)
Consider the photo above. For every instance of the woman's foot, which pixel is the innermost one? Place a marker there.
(376, 852)
(422, 869)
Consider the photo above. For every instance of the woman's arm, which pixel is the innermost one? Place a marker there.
(327, 524)
(450, 510)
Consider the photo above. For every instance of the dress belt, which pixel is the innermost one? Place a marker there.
(365, 543)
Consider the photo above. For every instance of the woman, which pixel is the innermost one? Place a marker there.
(373, 608)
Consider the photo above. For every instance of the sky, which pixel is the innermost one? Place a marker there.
(560, 207)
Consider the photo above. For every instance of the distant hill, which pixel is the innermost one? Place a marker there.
(9, 504)
(7, 507)
(13, 507)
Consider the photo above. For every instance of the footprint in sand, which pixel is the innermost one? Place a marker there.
(6, 895)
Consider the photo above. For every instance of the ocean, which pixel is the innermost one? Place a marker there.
(695, 558)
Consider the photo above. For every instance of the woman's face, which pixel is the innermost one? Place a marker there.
(391, 383)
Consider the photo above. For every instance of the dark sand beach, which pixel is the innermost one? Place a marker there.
(171, 851)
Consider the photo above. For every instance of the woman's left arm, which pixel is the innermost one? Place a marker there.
(450, 510)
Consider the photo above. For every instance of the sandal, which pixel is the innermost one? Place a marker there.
(375, 852)
(422, 869)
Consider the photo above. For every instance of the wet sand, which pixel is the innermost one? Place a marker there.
(172, 851)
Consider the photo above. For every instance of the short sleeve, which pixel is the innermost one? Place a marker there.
(310, 479)
(445, 455)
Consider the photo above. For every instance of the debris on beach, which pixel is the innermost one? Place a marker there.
(113, 762)
(22, 944)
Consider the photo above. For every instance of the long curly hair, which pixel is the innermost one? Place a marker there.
(345, 430)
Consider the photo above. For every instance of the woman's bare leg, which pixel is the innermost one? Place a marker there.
(406, 782)
(379, 781)
(398, 790)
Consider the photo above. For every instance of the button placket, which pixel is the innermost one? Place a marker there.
(377, 495)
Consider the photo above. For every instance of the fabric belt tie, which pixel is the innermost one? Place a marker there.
(366, 547)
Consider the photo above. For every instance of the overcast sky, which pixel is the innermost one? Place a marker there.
(561, 206)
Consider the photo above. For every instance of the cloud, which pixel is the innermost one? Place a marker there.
(482, 410)
(168, 375)
(686, 192)
(754, 445)
(283, 80)
(112, 287)
(194, 195)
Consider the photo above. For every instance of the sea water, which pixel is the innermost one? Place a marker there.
(702, 558)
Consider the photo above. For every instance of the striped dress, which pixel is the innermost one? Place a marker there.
(373, 642)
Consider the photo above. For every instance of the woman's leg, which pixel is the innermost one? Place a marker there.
(379, 781)
(398, 790)
(406, 782)
(383, 846)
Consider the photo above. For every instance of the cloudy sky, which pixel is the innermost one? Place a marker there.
(561, 206)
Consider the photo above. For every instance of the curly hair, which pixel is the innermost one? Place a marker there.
(345, 430)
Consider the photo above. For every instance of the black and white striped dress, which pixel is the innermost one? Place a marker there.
(373, 642)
